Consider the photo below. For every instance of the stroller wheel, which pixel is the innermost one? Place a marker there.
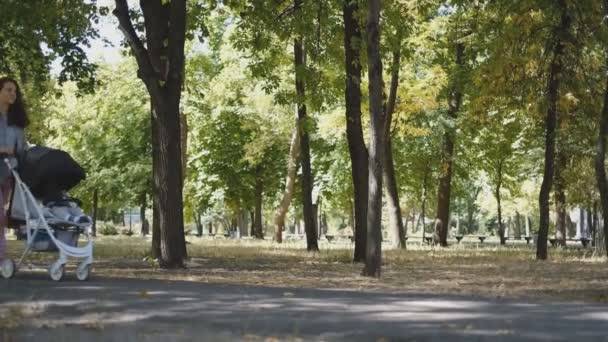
(56, 271)
(82, 272)
(7, 268)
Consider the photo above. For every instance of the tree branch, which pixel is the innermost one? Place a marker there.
(177, 33)
(121, 12)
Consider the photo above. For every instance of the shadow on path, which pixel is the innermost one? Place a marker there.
(104, 309)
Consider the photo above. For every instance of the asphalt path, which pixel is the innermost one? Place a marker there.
(33, 308)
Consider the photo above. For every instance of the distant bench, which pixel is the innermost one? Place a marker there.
(583, 241)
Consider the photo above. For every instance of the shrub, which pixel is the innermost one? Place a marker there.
(108, 229)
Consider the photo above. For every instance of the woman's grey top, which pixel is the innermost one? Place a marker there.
(11, 137)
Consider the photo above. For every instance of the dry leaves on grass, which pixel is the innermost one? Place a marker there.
(472, 270)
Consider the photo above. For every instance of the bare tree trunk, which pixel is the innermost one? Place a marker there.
(445, 179)
(156, 253)
(258, 232)
(560, 198)
(550, 131)
(199, 223)
(290, 182)
(354, 131)
(243, 223)
(600, 166)
(183, 129)
(161, 68)
(501, 230)
(589, 230)
(377, 148)
(307, 180)
(395, 228)
(424, 191)
(142, 215)
(517, 232)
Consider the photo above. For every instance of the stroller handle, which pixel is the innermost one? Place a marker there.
(8, 163)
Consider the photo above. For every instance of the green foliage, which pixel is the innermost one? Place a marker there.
(108, 133)
(107, 229)
(33, 35)
(237, 131)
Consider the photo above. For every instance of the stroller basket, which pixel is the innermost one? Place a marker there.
(43, 242)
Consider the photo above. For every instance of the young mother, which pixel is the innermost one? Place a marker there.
(13, 120)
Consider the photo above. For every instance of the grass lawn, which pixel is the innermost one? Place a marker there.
(485, 270)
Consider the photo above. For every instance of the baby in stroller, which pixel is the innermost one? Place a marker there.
(51, 220)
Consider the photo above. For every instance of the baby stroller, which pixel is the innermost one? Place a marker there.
(48, 173)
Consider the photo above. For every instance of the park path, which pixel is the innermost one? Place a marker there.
(33, 308)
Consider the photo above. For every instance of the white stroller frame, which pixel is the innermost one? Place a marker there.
(35, 222)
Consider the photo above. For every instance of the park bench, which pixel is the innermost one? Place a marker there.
(459, 237)
(528, 239)
(584, 241)
(481, 238)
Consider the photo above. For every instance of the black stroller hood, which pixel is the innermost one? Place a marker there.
(49, 172)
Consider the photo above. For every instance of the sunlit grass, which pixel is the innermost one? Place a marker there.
(470, 268)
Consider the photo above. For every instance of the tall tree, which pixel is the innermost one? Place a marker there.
(396, 228)
(354, 131)
(161, 68)
(307, 180)
(558, 46)
(600, 166)
(442, 222)
(377, 148)
(290, 182)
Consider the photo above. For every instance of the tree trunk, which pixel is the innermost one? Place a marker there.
(550, 132)
(243, 224)
(560, 197)
(600, 166)
(501, 230)
(354, 131)
(161, 68)
(517, 232)
(471, 210)
(183, 133)
(560, 208)
(156, 253)
(258, 232)
(306, 180)
(445, 179)
(290, 182)
(589, 229)
(198, 222)
(95, 206)
(142, 215)
(396, 227)
(377, 141)
(424, 189)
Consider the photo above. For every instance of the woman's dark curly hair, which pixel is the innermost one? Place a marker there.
(17, 115)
